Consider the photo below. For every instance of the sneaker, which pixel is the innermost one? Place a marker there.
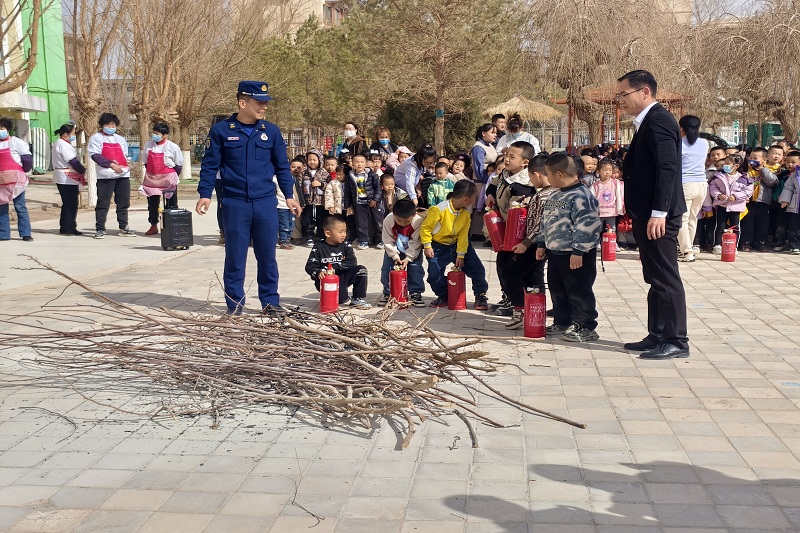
(99, 234)
(696, 249)
(504, 302)
(360, 303)
(379, 245)
(221, 239)
(717, 250)
(310, 243)
(27, 238)
(777, 248)
(345, 303)
(127, 232)
(152, 231)
(517, 320)
(416, 299)
(362, 246)
(795, 251)
(481, 302)
(745, 248)
(504, 311)
(274, 310)
(440, 301)
(763, 247)
(687, 258)
(286, 245)
(234, 311)
(557, 329)
(384, 299)
(581, 334)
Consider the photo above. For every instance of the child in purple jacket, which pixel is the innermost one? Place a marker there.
(728, 192)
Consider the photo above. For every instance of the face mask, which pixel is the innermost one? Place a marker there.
(384, 142)
(156, 137)
(109, 131)
(349, 133)
(72, 138)
(727, 169)
(3, 134)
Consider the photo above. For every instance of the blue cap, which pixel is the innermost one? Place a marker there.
(257, 90)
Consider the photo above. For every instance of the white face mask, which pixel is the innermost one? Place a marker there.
(349, 133)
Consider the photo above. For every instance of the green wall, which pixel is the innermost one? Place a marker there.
(49, 79)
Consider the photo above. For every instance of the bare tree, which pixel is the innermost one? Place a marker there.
(90, 40)
(587, 44)
(13, 42)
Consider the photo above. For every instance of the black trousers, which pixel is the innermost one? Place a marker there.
(571, 290)
(311, 221)
(778, 223)
(153, 203)
(755, 225)
(724, 220)
(367, 219)
(793, 230)
(69, 208)
(355, 277)
(666, 299)
(519, 271)
(120, 189)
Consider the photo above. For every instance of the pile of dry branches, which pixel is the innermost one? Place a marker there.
(341, 366)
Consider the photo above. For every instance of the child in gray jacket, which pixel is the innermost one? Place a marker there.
(569, 235)
(790, 200)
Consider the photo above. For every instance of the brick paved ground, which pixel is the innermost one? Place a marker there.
(708, 443)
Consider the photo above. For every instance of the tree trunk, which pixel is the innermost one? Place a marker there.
(592, 115)
(438, 127)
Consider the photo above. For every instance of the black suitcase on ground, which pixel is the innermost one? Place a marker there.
(176, 229)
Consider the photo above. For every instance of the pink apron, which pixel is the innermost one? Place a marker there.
(113, 152)
(158, 177)
(13, 179)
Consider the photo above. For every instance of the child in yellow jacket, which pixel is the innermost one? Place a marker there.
(445, 239)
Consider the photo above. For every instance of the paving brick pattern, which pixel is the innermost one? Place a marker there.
(705, 444)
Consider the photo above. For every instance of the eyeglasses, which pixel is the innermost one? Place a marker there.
(618, 97)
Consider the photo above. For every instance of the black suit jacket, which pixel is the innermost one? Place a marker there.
(652, 168)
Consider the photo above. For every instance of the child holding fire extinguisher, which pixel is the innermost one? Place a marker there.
(570, 231)
(524, 270)
(401, 230)
(513, 185)
(334, 250)
(727, 193)
(445, 239)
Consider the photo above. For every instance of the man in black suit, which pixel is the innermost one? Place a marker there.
(654, 199)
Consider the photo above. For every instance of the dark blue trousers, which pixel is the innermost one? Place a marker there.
(443, 255)
(416, 274)
(246, 220)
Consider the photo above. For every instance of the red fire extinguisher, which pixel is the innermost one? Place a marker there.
(496, 227)
(516, 227)
(608, 249)
(729, 239)
(456, 290)
(329, 292)
(398, 284)
(534, 314)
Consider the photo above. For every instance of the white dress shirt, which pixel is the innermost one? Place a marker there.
(636, 123)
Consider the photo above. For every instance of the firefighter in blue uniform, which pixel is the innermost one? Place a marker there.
(248, 151)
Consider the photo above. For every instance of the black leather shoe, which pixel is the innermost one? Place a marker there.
(665, 351)
(641, 346)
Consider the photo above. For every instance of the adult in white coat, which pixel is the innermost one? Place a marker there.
(68, 175)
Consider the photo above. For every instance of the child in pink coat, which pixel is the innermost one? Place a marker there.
(728, 192)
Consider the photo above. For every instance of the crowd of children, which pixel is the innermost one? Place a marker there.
(752, 191)
(570, 201)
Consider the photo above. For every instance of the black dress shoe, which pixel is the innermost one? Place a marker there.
(666, 351)
(641, 346)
